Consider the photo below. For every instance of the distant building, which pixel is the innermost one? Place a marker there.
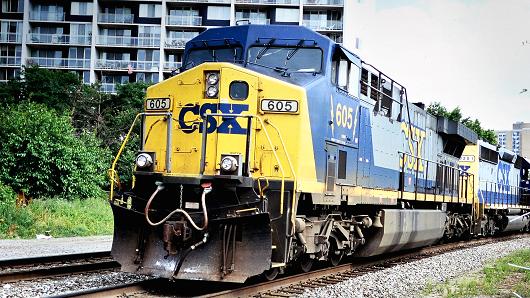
(517, 139)
(118, 41)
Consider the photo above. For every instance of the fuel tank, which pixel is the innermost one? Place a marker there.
(404, 229)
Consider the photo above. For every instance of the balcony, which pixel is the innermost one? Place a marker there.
(171, 65)
(289, 2)
(60, 39)
(254, 21)
(184, 20)
(127, 65)
(128, 41)
(46, 16)
(324, 25)
(10, 61)
(8, 37)
(176, 43)
(324, 2)
(113, 18)
(66, 63)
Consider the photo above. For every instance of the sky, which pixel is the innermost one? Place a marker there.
(467, 53)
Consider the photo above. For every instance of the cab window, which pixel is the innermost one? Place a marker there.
(220, 54)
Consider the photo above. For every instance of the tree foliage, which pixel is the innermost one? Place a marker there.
(455, 114)
(43, 157)
(62, 133)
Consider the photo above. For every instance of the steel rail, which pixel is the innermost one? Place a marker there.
(12, 270)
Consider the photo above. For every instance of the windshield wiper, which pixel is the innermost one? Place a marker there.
(293, 51)
(265, 49)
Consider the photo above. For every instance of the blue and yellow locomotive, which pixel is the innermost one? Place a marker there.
(276, 147)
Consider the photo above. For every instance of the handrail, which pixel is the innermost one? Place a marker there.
(112, 171)
(454, 180)
(282, 190)
(293, 215)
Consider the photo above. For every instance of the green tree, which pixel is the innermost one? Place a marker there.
(43, 157)
(488, 135)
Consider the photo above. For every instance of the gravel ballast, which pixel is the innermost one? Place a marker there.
(61, 285)
(409, 280)
(14, 249)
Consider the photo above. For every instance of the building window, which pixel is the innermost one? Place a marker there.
(150, 10)
(10, 55)
(81, 8)
(184, 12)
(12, 6)
(11, 31)
(218, 12)
(287, 15)
(9, 73)
(79, 53)
(255, 16)
(147, 77)
(115, 56)
(148, 55)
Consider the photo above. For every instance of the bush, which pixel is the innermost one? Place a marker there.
(44, 158)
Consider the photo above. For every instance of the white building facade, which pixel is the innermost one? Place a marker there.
(113, 41)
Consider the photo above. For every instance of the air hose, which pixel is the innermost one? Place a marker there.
(207, 188)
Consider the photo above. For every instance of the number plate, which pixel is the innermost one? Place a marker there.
(279, 106)
(157, 104)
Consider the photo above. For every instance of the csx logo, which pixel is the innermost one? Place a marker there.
(228, 125)
(503, 176)
(412, 135)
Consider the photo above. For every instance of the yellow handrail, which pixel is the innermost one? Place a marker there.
(293, 216)
(277, 159)
(112, 170)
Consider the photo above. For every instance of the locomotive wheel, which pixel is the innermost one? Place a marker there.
(270, 274)
(334, 254)
(305, 263)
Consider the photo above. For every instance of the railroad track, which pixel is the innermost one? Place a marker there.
(293, 285)
(48, 266)
(288, 286)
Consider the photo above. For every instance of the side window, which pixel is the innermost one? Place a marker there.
(353, 84)
(334, 65)
(343, 74)
(364, 82)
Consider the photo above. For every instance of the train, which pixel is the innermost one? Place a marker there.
(275, 148)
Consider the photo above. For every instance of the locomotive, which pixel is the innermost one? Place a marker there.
(275, 147)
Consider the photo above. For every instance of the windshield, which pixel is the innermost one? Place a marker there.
(287, 58)
(201, 55)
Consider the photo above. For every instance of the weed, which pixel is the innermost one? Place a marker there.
(60, 217)
(497, 278)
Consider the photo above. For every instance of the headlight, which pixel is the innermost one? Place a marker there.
(212, 78)
(211, 91)
(144, 160)
(229, 164)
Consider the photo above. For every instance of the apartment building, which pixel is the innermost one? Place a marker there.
(517, 139)
(118, 41)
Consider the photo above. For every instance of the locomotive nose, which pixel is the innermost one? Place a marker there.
(232, 250)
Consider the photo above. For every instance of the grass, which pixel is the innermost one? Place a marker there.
(60, 217)
(496, 279)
